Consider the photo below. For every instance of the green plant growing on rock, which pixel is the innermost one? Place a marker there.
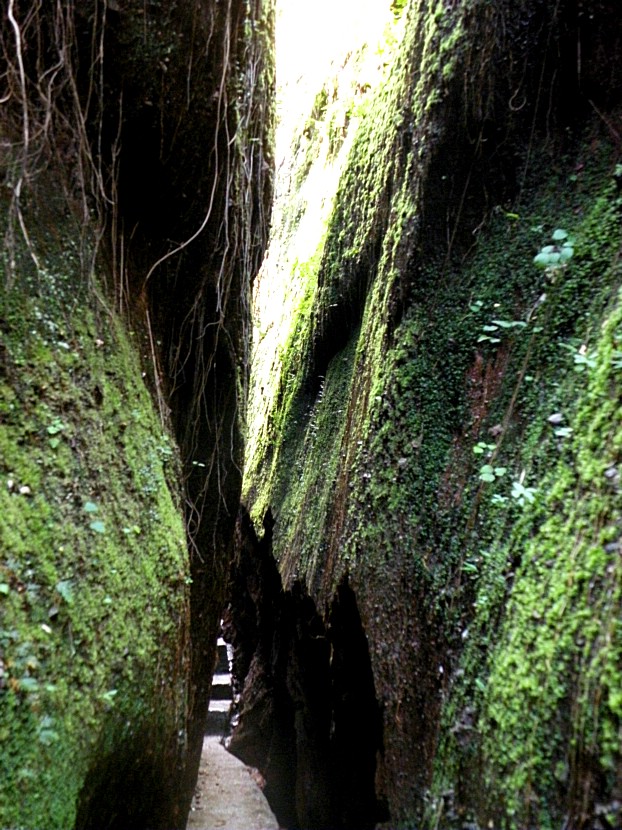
(582, 358)
(555, 256)
(482, 447)
(491, 332)
(523, 495)
(488, 473)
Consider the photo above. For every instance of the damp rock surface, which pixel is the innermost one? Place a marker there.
(228, 794)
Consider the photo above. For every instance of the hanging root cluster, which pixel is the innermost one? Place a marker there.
(52, 92)
(157, 126)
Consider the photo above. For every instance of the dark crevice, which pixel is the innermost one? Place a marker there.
(307, 715)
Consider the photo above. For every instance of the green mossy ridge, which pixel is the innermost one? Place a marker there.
(402, 498)
(533, 684)
(561, 645)
(265, 444)
(418, 431)
(358, 228)
(319, 149)
(93, 602)
(363, 204)
(272, 443)
(314, 469)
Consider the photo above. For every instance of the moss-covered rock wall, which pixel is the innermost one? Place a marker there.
(445, 432)
(136, 155)
(94, 579)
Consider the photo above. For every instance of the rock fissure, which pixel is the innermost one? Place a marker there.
(307, 715)
(427, 632)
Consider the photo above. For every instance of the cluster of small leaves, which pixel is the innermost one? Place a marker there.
(482, 447)
(523, 495)
(97, 526)
(582, 358)
(488, 472)
(57, 426)
(554, 257)
(491, 331)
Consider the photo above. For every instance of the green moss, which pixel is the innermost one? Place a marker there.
(540, 735)
(560, 643)
(93, 592)
(421, 345)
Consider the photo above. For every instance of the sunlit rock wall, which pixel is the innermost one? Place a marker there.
(444, 430)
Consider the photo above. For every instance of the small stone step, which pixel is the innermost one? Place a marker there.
(221, 687)
(219, 705)
(217, 722)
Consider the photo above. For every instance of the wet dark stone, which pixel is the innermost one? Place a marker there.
(308, 718)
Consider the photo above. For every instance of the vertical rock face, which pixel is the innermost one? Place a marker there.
(199, 134)
(151, 125)
(309, 719)
(445, 434)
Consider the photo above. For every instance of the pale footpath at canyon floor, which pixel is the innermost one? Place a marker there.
(227, 794)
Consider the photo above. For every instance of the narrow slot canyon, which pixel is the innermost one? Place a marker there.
(306, 713)
(310, 434)
(293, 698)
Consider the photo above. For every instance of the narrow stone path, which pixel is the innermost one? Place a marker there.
(227, 797)
(227, 794)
